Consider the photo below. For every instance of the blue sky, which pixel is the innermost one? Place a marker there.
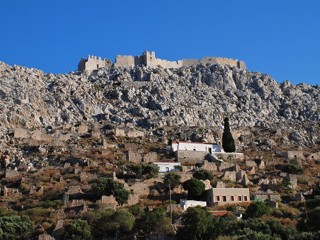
(280, 38)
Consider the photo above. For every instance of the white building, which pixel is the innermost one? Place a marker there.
(196, 146)
(222, 196)
(185, 204)
(167, 166)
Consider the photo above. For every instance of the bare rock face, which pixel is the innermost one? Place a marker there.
(150, 98)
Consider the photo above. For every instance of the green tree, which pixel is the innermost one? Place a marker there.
(110, 223)
(173, 179)
(122, 221)
(135, 210)
(121, 195)
(150, 170)
(292, 169)
(15, 227)
(78, 230)
(155, 222)
(203, 174)
(256, 210)
(144, 170)
(313, 220)
(100, 223)
(227, 139)
(195, 188)
(197, 224)
(107, 186)
(306, 236)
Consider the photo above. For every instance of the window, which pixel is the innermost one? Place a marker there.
(167, 169)
(232, 198)
(239, 198)
(245, 198)
(218, 198)
(224, 198)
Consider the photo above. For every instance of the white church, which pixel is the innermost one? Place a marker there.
(196, 146)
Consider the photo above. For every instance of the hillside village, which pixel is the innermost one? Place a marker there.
(49, 174)
(68, 161)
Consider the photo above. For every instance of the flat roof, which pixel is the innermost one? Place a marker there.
(194, 142)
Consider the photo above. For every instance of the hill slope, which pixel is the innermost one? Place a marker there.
(199, 96)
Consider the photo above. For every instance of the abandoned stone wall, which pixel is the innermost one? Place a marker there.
(120, 132)
(190, 157)
(229, 157)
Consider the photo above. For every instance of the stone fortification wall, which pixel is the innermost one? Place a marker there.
(165, 63)
(224, 61)
(93, 63)
(129, 61)
(149, 59)
(213, 60)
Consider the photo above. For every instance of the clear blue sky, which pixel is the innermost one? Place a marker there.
(277, 37)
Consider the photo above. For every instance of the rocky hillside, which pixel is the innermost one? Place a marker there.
(153, 98)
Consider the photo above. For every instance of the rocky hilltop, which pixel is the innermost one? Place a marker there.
(198, 96)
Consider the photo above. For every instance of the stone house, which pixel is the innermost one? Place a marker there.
(295, 155)
(210, 166)
(223, 196)
(314, 156)
(267, 196)
(291, 180)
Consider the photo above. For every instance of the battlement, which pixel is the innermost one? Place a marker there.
(93, 63)
(149, 59)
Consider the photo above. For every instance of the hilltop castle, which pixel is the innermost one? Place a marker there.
(149, 59)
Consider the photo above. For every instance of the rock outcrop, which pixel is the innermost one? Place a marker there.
(153, 98)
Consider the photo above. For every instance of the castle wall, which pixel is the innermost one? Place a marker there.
(149, 59)
(189, 62)
(165, 63)
(129, 61)
(125, 61)
(224, 61)
(93, 63)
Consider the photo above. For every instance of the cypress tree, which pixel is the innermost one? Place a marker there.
(227, 139)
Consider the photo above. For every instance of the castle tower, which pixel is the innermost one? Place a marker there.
(150, 58)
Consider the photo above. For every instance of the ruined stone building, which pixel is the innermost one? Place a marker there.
(93, 63)
(149, 59)
(223, 196)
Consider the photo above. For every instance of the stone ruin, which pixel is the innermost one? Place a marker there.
(92, 63)
(149, 59)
